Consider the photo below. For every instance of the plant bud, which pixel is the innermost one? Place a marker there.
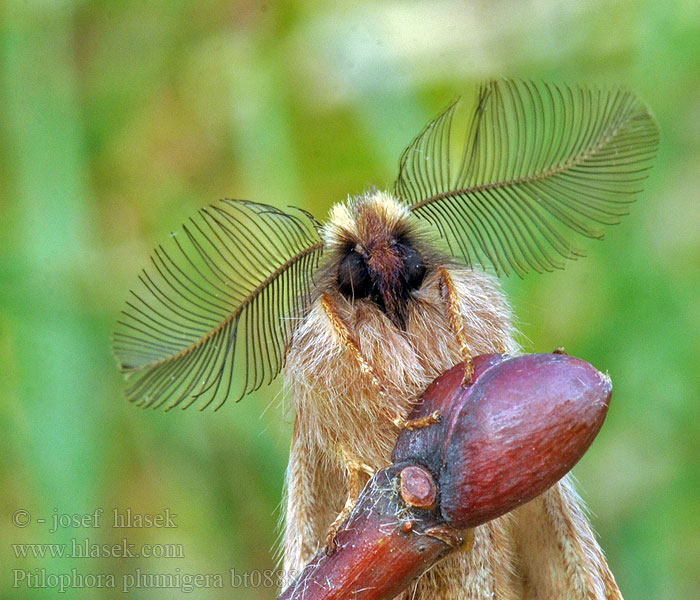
(520, 426)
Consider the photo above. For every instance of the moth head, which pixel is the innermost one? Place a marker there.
(378, 255)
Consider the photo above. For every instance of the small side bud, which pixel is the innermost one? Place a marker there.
(418, 488)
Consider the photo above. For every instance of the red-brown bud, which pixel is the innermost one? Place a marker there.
(502, 441)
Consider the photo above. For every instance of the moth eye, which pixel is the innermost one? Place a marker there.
(414, 267)
(354, 279)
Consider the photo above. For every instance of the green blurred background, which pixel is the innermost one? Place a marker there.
(118, 119)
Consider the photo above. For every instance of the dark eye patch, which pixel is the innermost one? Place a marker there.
(414, 267)
(354, 279)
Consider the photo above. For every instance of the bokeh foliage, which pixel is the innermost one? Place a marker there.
(120, 119)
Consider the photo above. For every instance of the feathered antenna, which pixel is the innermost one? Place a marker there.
(220, 299)
(539, 163)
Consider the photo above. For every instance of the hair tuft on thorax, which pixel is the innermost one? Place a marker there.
(374, 215)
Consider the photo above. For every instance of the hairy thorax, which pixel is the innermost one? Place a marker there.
(348, 411)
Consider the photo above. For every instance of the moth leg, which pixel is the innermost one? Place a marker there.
(450, 297)
(454, 313)
(343, 332)
(354, 470)
(347, 339)
(419, 423)
(353, 347)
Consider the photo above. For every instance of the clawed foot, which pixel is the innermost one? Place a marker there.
(331, 543)
(419, 423)
(468, 372)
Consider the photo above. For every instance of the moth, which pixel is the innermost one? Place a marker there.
(364, 311)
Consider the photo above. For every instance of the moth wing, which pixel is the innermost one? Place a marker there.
(212, 315)
(559, 554)
(313, 482)
(536, 167)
